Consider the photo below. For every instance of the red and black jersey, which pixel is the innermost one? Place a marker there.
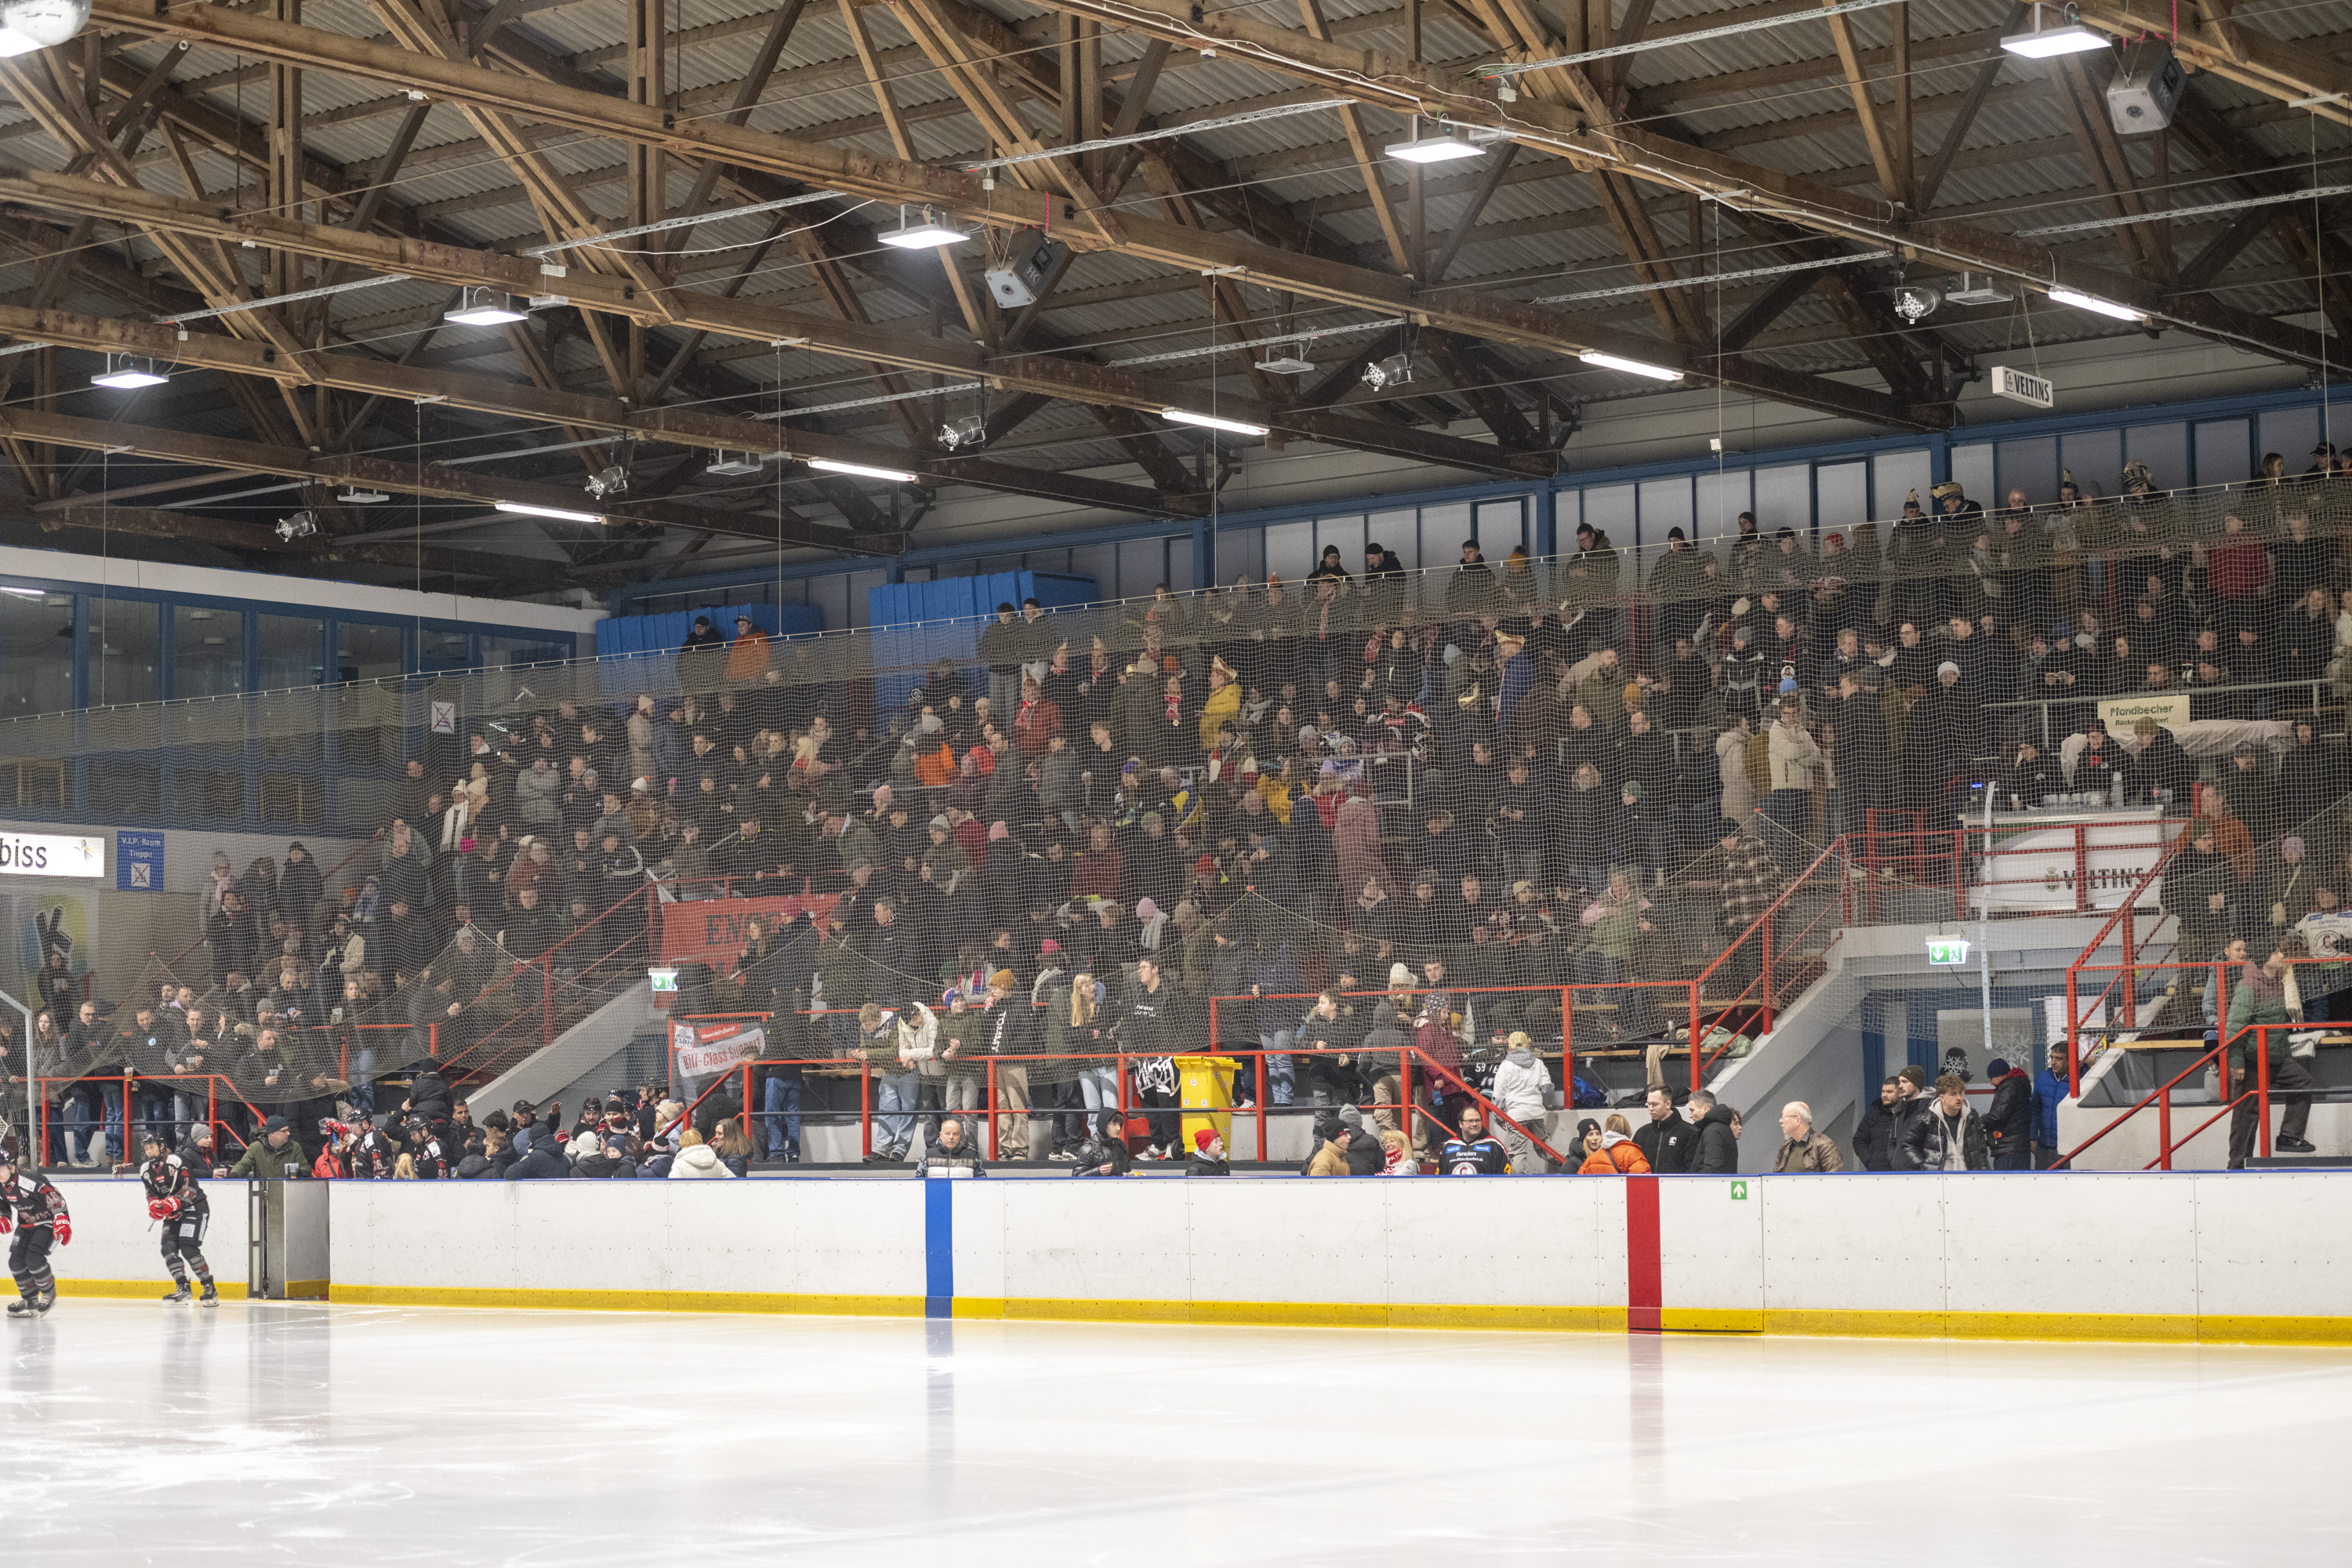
(168, 1181)
(372, 1157)
(28, 1200)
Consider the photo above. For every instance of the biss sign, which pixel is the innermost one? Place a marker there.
(40, 855)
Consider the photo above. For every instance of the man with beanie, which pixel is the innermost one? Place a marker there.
(2009, 1124)
(1365, 1156)
(1208, 1155)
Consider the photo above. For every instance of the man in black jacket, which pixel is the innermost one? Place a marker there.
(1665, 1139)
(1948, 1136)
(2009, 1125)
(1875, 1134)
(1208, 1155)
(544, 1161)
(1715, 1151)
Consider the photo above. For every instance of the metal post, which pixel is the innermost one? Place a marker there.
(2129, 1002)
(988, 1107)
(546, 1000)
(2164, 1127)
(2262, 1088)
(1567, 1049)
(2073, 1039)
(1404, 1098)
(864, 1107)
(1984, 920)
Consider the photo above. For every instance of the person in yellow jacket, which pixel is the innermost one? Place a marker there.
(1223, 706)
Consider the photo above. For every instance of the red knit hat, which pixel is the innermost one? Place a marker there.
(1202, 1139)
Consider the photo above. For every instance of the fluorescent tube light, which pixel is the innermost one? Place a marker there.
(1210, 422)
(2092, 303)
(1630, 367)
(561, 514)
(859, 471)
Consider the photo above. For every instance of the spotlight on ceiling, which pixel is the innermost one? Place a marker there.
(1394, 371)
(483, 308)
(612, 481)
(1914, 303)
(969, 431)
(301, 525)
(125, 372)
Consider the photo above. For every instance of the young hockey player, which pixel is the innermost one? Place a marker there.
(173, 1197)
(35, 1212)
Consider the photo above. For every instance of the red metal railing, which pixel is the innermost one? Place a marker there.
(127, 1084)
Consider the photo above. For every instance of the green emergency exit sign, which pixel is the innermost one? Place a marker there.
(1948, 950)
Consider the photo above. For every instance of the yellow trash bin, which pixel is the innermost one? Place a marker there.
(1205, 1093)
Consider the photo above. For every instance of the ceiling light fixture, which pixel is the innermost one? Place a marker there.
(612, 479)
(1289, 362)
(1440, 148)
(124, 371)
(2092, 302)
(1630, 366)
(859, 471)
(969, 431)
(732, 466)
(352, 495)
(1394, 371)
(927, 235)
(2068, 38)
(483, 308)
(301, 525)
(1210, 422)
(561, 514)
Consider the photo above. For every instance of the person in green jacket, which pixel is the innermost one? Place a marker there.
(274, 1156)
(2260, 998)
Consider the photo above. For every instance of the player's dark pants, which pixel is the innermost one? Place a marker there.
(28, 1259)
(184, 1247)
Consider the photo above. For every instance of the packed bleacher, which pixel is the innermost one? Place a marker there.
(1452, 813)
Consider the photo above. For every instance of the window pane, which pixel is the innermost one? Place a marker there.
(36, 654)
(367, 651)
(126, 660)
(207, 651)
(288, 653)
(444, 650)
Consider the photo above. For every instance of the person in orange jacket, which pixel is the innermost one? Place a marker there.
(1609, 1151)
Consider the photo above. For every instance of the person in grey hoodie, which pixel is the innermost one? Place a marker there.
(1525, 1092)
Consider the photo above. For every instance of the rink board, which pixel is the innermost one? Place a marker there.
(2238, 1258)
(117, 1251)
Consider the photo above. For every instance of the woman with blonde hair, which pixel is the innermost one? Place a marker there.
(1398, 1154)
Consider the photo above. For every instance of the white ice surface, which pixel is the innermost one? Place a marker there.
(133, 1433)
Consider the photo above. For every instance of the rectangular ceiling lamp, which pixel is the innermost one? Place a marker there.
(2069, 38)
(929, 234)
(1210, 422)
(1630, 366)
(859, 471)
(2093, 303)
(561, 514)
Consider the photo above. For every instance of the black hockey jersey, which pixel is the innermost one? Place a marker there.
(168, 1181)
(28, 1200)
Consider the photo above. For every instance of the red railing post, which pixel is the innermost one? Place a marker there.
(1764, 972)
(865, 1108)
(1404, 1098)
(1566, 1049)
(2081, 867)
(2130, 999)
(1694, 1034)
(2073, 1039)
(2164, 1128)
(1262, 1112)
(546, 1000)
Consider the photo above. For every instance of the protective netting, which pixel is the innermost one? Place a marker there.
(1492, 768)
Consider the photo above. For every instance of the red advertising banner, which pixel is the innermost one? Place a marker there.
(710, 931)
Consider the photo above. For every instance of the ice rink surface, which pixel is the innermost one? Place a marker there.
(137, 1433)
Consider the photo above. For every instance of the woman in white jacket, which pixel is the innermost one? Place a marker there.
(698, 1162)
(1731, 764)
(1525, 1092)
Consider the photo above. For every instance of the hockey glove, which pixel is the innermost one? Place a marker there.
(163, 1208)
(5, 1225)
(64, 1228)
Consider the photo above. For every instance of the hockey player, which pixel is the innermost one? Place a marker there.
(35, 1213)
(173, 1197)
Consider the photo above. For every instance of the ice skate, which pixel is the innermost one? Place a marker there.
(211, 1297)
(22, 1309)
(178, 1294)
(45, 1300)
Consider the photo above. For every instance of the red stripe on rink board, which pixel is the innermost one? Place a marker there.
(1644, 1296)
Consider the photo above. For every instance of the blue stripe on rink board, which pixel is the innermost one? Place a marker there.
(938, 1250)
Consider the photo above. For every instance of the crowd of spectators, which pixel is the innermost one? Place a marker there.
(1422, 789)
